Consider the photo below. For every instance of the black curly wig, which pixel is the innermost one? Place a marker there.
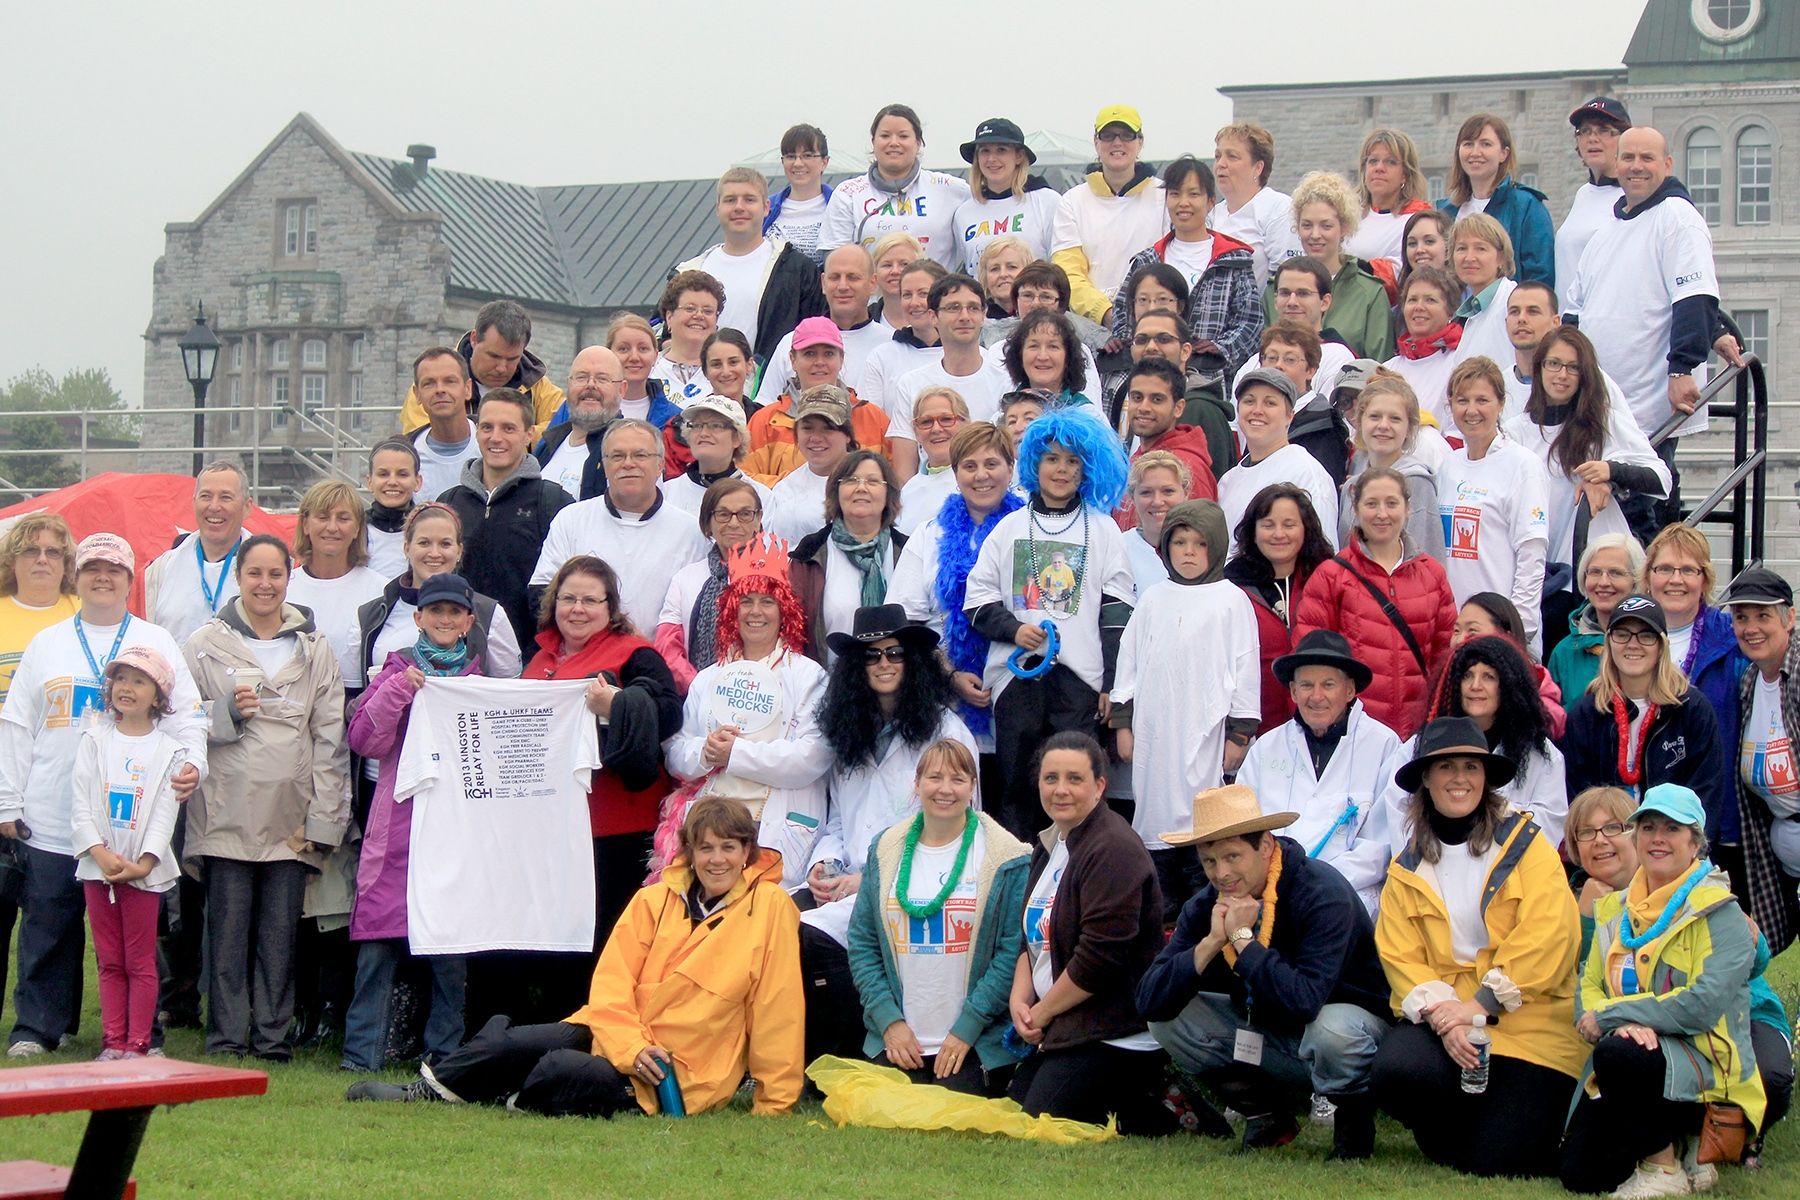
(1521, 725)
(850, 715)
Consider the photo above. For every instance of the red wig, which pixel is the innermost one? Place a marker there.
(793, 618)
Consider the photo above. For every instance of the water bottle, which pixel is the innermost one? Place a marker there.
(1474, 1079)
(668, 1091)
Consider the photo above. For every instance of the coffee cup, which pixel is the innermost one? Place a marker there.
(250, 677)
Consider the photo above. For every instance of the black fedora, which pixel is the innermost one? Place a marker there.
(878, 621)
(1323, 648)
(1453, 737)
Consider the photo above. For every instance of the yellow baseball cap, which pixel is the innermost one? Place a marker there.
(1119, 114)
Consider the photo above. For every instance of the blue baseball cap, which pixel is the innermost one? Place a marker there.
(451, 587)
(1671, 800)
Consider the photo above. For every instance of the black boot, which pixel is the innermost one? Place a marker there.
(395, 1093)
(1268, 1113)
(327, 1029)
(1353, 1133)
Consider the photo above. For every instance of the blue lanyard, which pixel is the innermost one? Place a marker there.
(212, 593)
(118, 641)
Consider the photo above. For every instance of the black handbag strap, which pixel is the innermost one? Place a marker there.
(1387, 609)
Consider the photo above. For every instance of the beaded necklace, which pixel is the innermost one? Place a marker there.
(903, 877)
(1031, 554)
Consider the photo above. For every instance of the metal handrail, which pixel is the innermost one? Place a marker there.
(1749, 413)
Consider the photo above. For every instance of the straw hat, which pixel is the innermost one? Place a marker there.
(1229, 811)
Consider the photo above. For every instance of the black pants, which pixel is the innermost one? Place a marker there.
(1028, 711)
(1775, 1062)
(52, 941)
(1511, 1129)
(1627, 1121)
(9, 915)
(180, 951)
(1093, 1081)
(834, 1023)
(620, 862)
(971, 1080)
(1669, 511)
(549, 1069)
(1179, 874)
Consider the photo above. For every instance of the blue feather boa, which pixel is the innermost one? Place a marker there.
(957, 550)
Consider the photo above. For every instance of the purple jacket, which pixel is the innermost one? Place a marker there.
(377, 731)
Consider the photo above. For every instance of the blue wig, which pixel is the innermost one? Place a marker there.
(1078, 428)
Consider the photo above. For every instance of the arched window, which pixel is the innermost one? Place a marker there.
(1703, 173)
(1755, 176)
(312, 352)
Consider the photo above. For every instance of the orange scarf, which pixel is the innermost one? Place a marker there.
(1266, 928)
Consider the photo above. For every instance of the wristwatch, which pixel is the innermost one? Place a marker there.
(1241, 933)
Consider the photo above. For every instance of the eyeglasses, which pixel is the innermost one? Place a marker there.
(1624, 637)
(1154, 339)
(1295, 294)
(1556, 366)
(807, 156)
(52, 553)
(970, 308)
(946, 421)
(1116, 135)
(631, 456)
(1667, 571)
(1611, 829)
(868, 484)
(740, 516)
(714, 426)
(1609, 573)
(583, 378)
(894, 654)
(696, 310)
(565, 600)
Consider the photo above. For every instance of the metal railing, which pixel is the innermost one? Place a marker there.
(324, 448)
(1747, 482)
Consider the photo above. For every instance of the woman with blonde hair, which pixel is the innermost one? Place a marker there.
(998, 269)
(1386, 426)
(1005, 198)
(1481, 181)
(1481, 257)
(1642, 723)
(893, 253)
(937, 414)
(1392, 187)
(333, 580)
(1326, 212)
(645, 398)
(37, 585)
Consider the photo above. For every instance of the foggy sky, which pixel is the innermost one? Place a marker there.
(116, 119)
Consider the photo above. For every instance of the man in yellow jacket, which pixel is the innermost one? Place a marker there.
(496, 354)
(701, 976)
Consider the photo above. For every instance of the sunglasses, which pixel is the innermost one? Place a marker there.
(894, 654)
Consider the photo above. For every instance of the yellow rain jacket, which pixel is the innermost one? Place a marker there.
(722, 996)
(1534, 935)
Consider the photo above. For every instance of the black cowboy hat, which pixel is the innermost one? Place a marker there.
(1453, 737)
(1323, 648)
(879, 621)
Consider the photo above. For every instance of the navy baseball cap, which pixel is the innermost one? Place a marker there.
(451, 587)
(1605, 108)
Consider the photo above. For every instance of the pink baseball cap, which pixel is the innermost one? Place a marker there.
(817, 331)
(106, 548)
(150, 663)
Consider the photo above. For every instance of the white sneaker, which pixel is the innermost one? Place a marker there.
(1703, 1177)
(26, 1049)
(1324, 1112)
(1650, 1180)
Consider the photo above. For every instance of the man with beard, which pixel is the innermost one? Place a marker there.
(570, 453)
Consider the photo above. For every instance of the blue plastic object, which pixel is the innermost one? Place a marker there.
(1051, 648)
(668, 1092)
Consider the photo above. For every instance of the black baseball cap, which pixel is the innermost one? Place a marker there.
(997, 131)
(1759, 585)
(449, 586)
(1605, 108)
(1639, 607)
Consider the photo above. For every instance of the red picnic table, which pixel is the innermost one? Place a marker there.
(121, 1096)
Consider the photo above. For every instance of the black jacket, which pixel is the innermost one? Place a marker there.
(503, 534)
(1322, 952)
(1684, 747)
(1321, 431)
(593, 474)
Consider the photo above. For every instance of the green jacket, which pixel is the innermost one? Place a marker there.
(1697, 995)
(1575, 663)
(1360, 311)
(996, 941)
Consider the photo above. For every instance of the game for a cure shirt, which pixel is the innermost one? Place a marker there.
(497, 772)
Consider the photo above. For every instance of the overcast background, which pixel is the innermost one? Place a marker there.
(118, 119)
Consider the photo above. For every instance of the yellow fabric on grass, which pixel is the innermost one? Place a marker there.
(865, 1093)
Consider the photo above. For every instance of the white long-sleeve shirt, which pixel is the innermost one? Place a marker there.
(1496, 527)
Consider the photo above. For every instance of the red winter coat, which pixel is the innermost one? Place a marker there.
(1420, 592)
(1188, 443)
(1273, 638)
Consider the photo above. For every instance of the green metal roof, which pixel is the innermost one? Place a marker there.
(1668, 48)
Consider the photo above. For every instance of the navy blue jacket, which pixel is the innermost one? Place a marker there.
(1322, 952)
(1718, 665)
(1684, 747)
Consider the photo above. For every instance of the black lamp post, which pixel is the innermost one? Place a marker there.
(199, 358)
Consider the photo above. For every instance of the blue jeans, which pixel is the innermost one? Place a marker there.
(372, 1007)
(1333, 1056)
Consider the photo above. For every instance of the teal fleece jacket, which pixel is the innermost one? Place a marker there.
(999, 938)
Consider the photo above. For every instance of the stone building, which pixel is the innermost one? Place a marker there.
(1720, 78)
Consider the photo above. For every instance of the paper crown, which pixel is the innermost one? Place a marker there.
(764, 556)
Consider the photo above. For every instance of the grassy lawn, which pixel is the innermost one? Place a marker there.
(302, 1139)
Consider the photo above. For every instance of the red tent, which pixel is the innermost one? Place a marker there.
(149, 511)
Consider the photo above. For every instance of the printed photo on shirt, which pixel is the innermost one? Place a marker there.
(1052, 586)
